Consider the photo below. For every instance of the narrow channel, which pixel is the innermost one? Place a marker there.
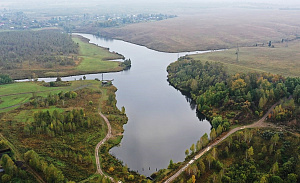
(162, 122)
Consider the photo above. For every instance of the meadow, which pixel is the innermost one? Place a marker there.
(14, 95)
(283, 59)
(211, 28)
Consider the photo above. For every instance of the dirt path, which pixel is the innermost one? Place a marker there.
(259, 124)
(108, 135)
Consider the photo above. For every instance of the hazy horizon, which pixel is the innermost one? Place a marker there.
(138, 5)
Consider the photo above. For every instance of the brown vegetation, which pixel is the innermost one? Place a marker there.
(211, 29)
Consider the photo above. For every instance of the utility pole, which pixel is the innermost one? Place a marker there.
(237, 52)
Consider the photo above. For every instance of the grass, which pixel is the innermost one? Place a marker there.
(19, 93)
(27, 116)
(283, 59)
(95, 58)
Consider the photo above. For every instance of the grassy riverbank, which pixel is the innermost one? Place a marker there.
(53, 54)
(91, 59)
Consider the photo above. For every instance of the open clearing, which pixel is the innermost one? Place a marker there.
(283, 59)
(207, 29)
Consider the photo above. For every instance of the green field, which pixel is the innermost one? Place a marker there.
(95, 58)
(19, 93)
(282, 59)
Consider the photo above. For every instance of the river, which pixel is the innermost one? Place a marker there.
(162, 122)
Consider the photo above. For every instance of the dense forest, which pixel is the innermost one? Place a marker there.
(249, 156)
(236, 98)
(25, 49)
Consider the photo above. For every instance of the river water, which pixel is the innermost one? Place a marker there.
(162, 122)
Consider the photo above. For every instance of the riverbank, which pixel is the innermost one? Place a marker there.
(73, 156)
(86, 58)
(207, 30)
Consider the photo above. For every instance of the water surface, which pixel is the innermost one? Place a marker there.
(162, 124)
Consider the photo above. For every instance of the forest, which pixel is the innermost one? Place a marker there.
(255, 155)
(238, 98)
(46, 48)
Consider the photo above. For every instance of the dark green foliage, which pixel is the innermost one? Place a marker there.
(52, 99)
(5, 79)
(50, 172)
(232, 166)
(47, 46)
(237, 97)
(126, 64)
(58, 123)
(195, 77)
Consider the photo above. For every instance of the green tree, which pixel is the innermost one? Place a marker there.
(263, 179)
(5, 178)
(275, 168)
(250, 152)
(219, 130)
(292, 178)
(192, 148)
(201, 166)
(213, 134)
(276, 179)
(275, 139)
(187, 152)
(209, 159)
(171, 165)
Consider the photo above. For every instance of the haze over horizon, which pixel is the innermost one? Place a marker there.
(35, 4)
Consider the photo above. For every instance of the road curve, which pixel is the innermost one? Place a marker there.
(108, 135)
(259, 123)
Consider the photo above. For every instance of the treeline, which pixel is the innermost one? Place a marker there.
(113, 22)
(235, 97)
(126, 64)
(249, 156)
(12, 173)
(5, 79)
(49, 171)
(52, 99)
(58, 123)
(46, 47)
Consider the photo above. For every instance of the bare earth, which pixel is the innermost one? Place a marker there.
(108, 135)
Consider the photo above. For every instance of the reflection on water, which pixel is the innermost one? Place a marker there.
(162, 122)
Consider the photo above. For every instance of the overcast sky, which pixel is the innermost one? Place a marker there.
(163, 6)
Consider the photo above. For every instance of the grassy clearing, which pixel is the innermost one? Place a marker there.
(282, 59)
(94, 58)
(19, 93)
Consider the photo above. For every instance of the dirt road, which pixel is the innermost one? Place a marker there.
(259, 124)
(108, 135)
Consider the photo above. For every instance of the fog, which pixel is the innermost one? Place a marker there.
(163, 6)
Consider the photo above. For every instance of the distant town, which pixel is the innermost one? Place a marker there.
(18, 20)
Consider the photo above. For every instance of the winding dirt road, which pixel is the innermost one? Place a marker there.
(259, 124)
(108, 135)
